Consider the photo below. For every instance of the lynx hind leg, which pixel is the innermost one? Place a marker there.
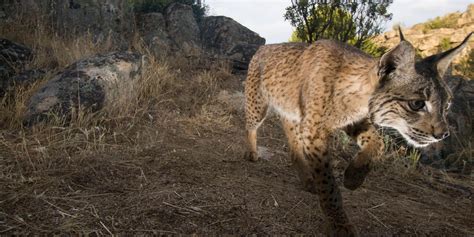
(256, 106)
(323, 182)
(371, 147)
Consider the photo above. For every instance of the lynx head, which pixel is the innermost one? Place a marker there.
(412, 96)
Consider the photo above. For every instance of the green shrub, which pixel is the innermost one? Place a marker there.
(373, 49)
(449, 21)
(444, 45)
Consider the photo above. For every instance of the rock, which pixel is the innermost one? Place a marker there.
(104, 19)
(183, 29)
(227, 37)
(90, 84)
(467, 17)
(428, 40)
(456, 150)
(152, 28)
(13, 58)
(111, 19)
(24, 79)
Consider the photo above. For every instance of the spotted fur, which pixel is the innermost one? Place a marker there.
(320, 87)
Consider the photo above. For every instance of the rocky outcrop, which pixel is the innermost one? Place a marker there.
(430, 41)
(174, 33)
(227, 37)
(183, 29)
(456, 151)
(105, 20)
(111, 18)
(13, 59)
(89, 85)
(152, 28)
(177, 32)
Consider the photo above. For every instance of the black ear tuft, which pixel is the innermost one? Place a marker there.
(402, 38)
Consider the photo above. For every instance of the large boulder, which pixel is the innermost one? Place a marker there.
(227, 37)
(152, 28)
(13, 59)
(111, 18)
(90, 84)
(456, 151)
(183, 28)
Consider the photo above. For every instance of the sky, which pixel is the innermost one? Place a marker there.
(266, 16)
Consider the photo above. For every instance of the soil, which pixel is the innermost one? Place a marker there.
(190, 178)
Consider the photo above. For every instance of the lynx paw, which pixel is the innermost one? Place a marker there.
(251, 156)
(354, 176)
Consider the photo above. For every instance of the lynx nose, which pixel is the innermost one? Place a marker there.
(442, 135)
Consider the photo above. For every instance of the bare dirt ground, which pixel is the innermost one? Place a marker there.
(182, 172)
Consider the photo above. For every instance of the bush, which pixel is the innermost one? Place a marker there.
(444, 45)
(448, 21)
(373, 49)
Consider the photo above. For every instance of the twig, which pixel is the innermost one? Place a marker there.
(292, 208)
(377, 219)
(105, 227)
(182, 208)
(382, 204)
(217, 222)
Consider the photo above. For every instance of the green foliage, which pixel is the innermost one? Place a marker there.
(146, 6)
(449, 21)
(444, 45)
(294, 37)
(347, 21)
(373, 49)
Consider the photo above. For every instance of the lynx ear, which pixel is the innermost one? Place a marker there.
(442, 60)
(400, 57)
(402, 38)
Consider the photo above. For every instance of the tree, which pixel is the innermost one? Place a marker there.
(353, 22)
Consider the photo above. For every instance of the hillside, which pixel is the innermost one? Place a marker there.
(136, 127)
(437, 34)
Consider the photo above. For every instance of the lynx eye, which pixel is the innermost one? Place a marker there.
(416, 105)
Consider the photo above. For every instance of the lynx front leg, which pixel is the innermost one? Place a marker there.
(371, 145)
(322, 181)
(295, 143)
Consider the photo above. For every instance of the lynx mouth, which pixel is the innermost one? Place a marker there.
(417, 140)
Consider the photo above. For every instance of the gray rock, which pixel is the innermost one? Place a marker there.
(90, 84)
(111, 18)
(25, 78)
(152, 28)
(13, 58)
(183, 29)
(228, 37)
(73, 18)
